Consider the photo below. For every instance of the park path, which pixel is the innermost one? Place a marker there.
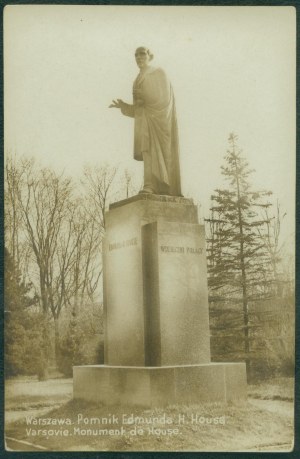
(281, 407)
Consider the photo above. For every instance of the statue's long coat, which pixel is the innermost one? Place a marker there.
(155, 128)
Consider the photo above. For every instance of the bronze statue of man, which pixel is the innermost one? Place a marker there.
(155, 127)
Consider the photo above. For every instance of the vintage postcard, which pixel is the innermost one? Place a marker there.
(149, 228)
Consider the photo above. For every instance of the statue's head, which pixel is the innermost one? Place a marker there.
(143, 56)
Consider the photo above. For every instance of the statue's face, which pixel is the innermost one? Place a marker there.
(142, 57)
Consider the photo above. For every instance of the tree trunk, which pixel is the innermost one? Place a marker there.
(244, 277)
(42, 371)
(56, 340)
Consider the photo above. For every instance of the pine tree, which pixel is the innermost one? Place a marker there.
(238, 262)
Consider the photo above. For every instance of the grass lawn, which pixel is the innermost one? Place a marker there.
(264, 423)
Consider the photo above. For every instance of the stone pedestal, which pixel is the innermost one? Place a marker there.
(156, 344)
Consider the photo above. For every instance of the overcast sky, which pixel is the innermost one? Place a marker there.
(232, 69)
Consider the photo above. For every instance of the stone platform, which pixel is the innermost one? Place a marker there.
(160, 386)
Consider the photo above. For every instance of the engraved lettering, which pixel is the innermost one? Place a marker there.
(120, 245)
(189, 250)
(169, 249)
(197, 251)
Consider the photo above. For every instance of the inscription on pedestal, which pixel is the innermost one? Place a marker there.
(121, 245)
(170, 249)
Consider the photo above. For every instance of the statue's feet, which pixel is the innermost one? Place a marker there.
(146, 190)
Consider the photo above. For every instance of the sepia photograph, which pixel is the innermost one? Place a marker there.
(149, 216)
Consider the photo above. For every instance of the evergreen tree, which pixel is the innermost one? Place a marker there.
(26, 345)
(238, 262)
(72, 349)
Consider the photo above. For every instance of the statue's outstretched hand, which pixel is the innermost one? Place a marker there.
(117, 104)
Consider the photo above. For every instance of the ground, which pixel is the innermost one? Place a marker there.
(43, 415)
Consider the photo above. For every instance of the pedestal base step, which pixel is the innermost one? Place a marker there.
(160, 386)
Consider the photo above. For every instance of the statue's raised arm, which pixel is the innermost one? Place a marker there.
(155, 127)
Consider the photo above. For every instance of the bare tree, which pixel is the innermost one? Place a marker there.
(271, 239)
(86, 266)
(14, 227)
(131, 187)
(47, 212)
(62, 231)
(98, 182)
